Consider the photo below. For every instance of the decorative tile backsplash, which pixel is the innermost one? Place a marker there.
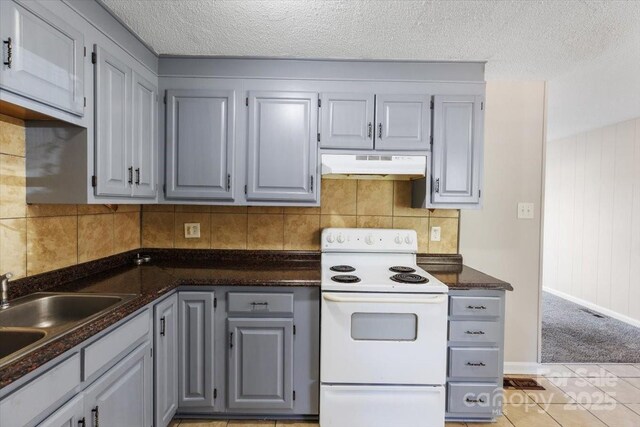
(39, 238)
(344, 203)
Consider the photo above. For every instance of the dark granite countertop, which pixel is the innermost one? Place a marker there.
(172, 268)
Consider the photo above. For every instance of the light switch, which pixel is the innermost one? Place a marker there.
(435, 234)
(192, 230)
(525, 210)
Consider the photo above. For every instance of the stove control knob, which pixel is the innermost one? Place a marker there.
(330, 238)
(369, 240)
(398, 239)
(340, 238)
(408, 239)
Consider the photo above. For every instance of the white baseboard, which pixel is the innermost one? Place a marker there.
(591, 306)
(521, 368)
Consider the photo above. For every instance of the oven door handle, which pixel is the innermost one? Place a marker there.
(437, 299)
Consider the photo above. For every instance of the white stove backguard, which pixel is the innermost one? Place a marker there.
(367, 240)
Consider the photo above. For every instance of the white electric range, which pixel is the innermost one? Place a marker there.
(384, 332)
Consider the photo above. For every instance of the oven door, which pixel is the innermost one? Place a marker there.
(371, 338)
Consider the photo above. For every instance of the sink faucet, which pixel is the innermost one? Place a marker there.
(4, 281)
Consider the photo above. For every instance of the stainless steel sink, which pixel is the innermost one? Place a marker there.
(34, 320)
(12, 340)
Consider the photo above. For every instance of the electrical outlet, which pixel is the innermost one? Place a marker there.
(192, 230)
(435, 234)
(525, 210)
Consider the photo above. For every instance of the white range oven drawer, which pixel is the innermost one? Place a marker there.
(371, 338)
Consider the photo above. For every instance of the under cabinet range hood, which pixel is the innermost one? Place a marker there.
(373, 166)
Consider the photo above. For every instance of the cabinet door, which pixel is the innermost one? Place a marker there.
(123, 395)
(282, 158)
(200, 144)
(46, 62)
(347, 120)
(145, 137)
(196, 344)
(260, 364)
(403, 122)
(114, 168)
(457, 149)
(69, 415)
(166, 360)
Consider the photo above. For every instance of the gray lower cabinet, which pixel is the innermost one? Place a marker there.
(71, 414)
(123, 396)
(282, 147)
(166, 360)
(403, 122)
(347, 120)
(42, 56)
(260, 363)
(196, 351)
(125, 128)
(457, 149)
(200, 144)
(476, 355)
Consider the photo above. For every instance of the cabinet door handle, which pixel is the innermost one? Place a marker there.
(476, 307)
(476, 364)
(96, 416)
(81, 422)
(228, 181)
(137, 176)
(437, 190)
(380, 130)
(369, 134)
(130, 175)
(311, 184)
(474, 332)
(9, 44)
(230, 339)
(162, 326)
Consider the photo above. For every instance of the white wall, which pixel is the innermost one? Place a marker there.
(596, 94)
(592, 218)
(493, 239)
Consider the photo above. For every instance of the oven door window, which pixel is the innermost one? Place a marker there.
(384, 326)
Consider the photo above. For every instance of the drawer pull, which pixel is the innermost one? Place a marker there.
(9, 60)
(474, 332)
(476, 364)
(470, 400)
(476, 307)
(255, 305)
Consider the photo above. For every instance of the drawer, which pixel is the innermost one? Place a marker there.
(475, 331)
(260, 303)
(475, 306)
(32, 400)
(474, 362)
(474, 398)
(109, 349)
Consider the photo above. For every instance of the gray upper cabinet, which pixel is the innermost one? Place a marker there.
(457, 149)
(42, 56)
(196, 346)
(260, 364)
(123, 395)
(125, 128)
(347, 120)
(200, 144)
(166, 360)
(145, 136)
(114, 166)
(282, 147)
(403, 122)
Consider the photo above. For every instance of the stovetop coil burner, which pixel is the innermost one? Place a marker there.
(402, 269)
(409, 278)
(345, 278)
(342, 268)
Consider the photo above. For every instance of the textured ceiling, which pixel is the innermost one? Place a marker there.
(518, 39)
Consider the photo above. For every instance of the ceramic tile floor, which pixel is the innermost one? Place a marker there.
(575, 396)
